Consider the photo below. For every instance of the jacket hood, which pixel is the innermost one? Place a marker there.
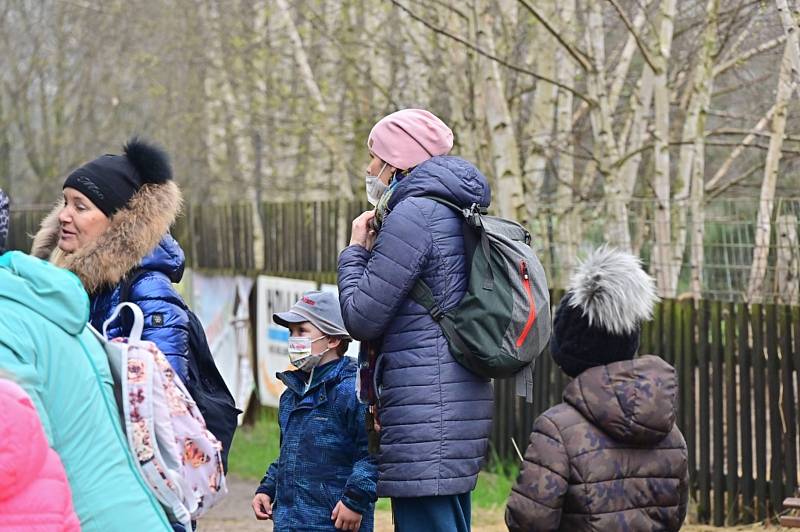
(167, 257)
(23, 447)
(137, 232)
(53, 293)
(632, 401)
(446, 177)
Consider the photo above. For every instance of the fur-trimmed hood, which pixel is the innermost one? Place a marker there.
(134, 234)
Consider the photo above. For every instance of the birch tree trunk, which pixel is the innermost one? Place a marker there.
(691, 165)
(326, 134)
(787, 267)
(626, 56)
(758, 269)
(539, 128)
(792, 37)
(258, 106)
(605, 144)
(569, 228)
(503, 143)
(662, 263)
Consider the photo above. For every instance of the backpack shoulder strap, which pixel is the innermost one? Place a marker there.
(125, 295)
(422, 294)
(473, 215)
(466, 212)
(127, 283)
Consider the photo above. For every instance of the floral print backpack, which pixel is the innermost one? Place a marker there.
(176, 454)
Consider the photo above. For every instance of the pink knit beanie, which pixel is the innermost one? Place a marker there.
(408, 137)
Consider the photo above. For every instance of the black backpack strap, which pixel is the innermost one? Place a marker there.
(125, 295)
(127, 283)
(422, 294)
(473, 217)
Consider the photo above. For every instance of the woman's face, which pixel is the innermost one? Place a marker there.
(375, 165)
(81, 222)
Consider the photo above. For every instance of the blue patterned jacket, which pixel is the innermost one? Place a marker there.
(323, 457)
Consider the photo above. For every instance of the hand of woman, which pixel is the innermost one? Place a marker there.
(361, 234)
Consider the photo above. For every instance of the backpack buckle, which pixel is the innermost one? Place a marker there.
(436, 313)
(473, 214)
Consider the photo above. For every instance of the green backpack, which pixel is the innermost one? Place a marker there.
(503, 322)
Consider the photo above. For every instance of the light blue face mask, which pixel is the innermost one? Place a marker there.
(376, 187)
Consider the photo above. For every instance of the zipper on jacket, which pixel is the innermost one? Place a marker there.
(526, 283)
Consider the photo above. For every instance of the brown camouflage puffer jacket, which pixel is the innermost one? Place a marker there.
(609, 458)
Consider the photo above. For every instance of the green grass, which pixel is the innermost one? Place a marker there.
(256, 446)
(494, 484)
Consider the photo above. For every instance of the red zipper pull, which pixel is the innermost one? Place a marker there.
(524, 268)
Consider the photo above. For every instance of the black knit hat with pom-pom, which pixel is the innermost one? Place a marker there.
(599, 319)
(111, 181)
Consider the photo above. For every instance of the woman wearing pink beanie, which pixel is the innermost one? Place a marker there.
(433, 414)
(34, 492)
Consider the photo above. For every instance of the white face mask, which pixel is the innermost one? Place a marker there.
(300, 352)
(376, 187)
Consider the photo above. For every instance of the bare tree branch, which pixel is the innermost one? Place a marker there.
(628, 24)
(482, 52)
(581, 57)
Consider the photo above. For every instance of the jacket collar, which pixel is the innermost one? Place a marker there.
(295, 382)
(133, 234)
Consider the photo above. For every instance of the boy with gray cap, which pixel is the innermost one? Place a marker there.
(324, 477)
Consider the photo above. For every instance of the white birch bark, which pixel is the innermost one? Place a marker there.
(662, 264)
(691, 163)
(605, 144)
(327, 134)
(626, 56)
(503, 143)
(792, 33)
(758, 269)
(539, 128)
(787, 266)
(569, 229)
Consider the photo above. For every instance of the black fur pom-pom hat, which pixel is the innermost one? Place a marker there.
(599, 319)
(111, 181)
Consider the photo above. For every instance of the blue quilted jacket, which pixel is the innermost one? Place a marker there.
(323, 457)
(435, 415)
(166, 321)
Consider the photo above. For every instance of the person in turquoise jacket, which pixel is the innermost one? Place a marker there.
(48, 349)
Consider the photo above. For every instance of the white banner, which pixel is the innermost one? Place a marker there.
(222, 305)
(274, 294)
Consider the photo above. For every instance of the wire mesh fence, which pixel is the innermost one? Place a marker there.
(307, 237)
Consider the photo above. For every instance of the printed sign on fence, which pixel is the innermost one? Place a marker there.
(222, 304)
(274, 294)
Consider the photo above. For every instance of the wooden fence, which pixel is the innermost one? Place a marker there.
(739, 374)
(307, 237)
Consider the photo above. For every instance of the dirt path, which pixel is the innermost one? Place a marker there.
(235, 515)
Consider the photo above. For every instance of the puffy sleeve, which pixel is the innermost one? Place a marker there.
(537, 497)
(372, 286)
(166, 322)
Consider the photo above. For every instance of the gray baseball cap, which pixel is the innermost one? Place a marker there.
(321, 309)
